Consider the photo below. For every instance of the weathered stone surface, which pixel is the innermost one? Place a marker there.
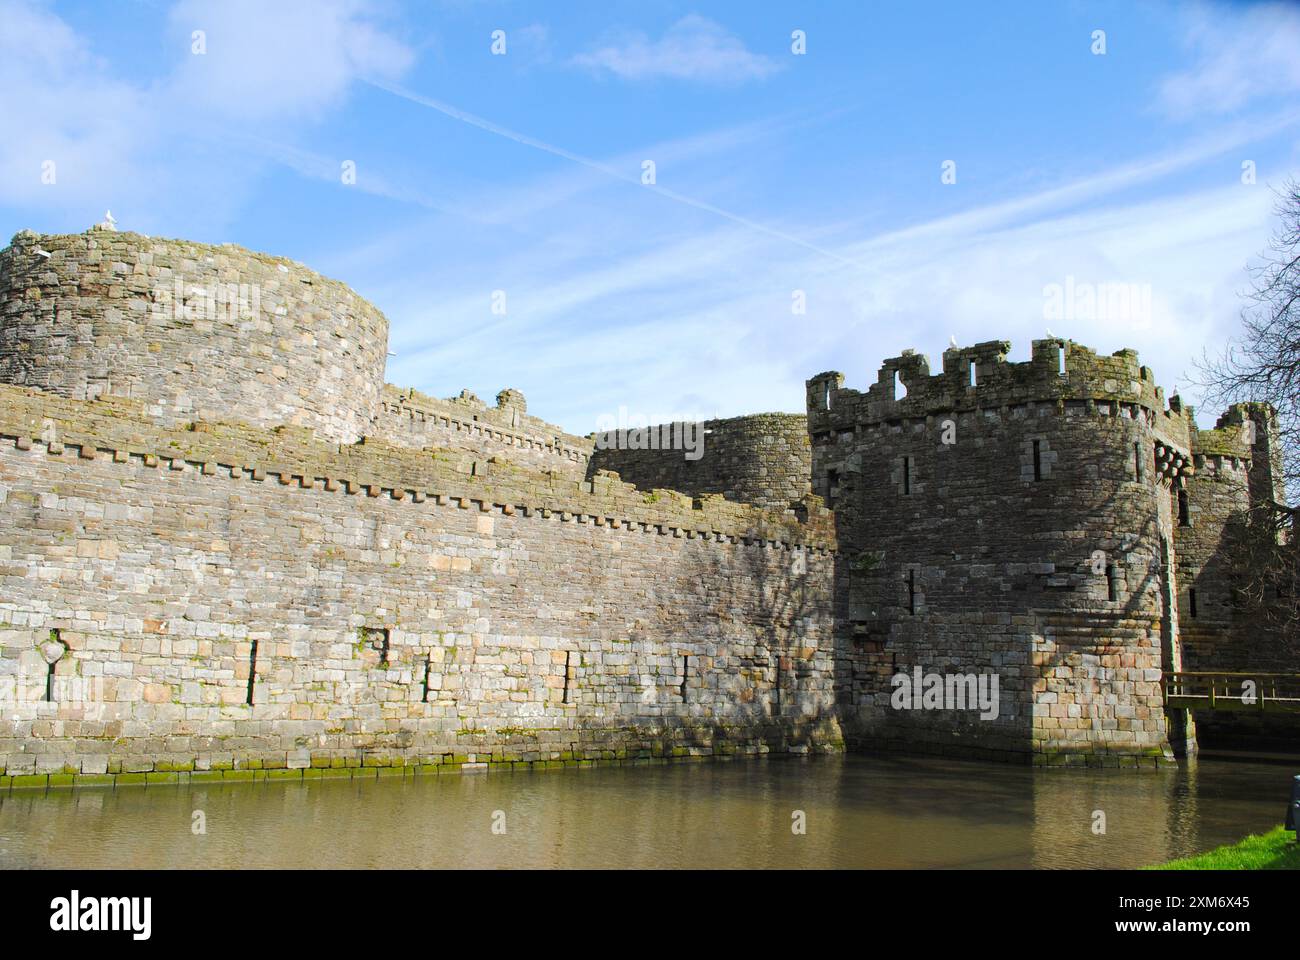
(1021, 520)
(203, 575)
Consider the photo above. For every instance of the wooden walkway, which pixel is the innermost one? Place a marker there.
(1268, 692)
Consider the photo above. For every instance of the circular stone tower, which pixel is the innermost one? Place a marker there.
(1008, 521)
(195, 332)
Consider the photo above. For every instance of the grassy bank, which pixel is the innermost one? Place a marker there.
(1275, 850)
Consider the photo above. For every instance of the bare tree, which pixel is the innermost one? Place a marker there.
(1262, 365)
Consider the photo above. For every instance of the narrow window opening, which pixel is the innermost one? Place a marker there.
(1137, 460)
(973, 379)
(567, 655)
(252, 672)
(776, 688)
(900, 390)
(911, 592)
(832, 487)
(377, 638)
(1038, 459)
(1060, 361)
(428, 669)
(907, 476)
(686, 673)
(1112, 582)
(828, 396)
(1191, 602)
(1184, 511)
(49, 673)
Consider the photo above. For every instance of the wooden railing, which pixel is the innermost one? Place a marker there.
(1232, 691)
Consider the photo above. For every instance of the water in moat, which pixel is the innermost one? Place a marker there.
(859, 812)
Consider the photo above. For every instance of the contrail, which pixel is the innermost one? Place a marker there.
(475, 121)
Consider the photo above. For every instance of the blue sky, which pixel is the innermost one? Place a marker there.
(774, 173)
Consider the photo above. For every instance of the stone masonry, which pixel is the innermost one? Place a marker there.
(187, 589)
(1025, 520)
(229, 550)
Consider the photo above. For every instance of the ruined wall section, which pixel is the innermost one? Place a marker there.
(1216, 499)
(232, 598)
(1010, 523)
(467, 425)
(764, 459)
(196, 332)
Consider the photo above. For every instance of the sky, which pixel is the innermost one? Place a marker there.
(682, 210)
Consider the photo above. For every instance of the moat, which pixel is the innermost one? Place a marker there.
(887, 812)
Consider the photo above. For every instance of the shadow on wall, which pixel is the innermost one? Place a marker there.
(984, 577)
(776, 606)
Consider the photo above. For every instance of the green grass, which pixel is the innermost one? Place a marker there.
(1275, 850)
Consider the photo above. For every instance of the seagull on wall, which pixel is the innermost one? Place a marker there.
(1050, 334)
(952, 341)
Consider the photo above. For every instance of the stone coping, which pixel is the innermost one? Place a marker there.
(115, 429)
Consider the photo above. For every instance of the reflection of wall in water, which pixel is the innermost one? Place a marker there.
(1150, 818)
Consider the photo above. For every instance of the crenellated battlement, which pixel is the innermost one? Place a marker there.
(410, 418)
(979, 377)
(251, 550)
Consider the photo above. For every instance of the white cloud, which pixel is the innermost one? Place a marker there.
(280, 60)
(179, 148)
(1242, 56)
(61, 106)
(693, 48)
(621, 307)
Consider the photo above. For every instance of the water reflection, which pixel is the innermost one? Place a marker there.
(860, 812)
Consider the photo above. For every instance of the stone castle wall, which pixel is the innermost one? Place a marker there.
(1020, 521)
(231, 551)
(194, 331)
(468, 425)
(764, 459)
(231, 597)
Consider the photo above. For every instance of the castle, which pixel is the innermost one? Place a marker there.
(232, 551)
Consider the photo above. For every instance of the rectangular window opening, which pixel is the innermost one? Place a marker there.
(567, 675)
(377, 638)
(1191, 602)
(1112, 582)
(973, 375)
(1038, 459)
(252, 672)
(1184, 510)
(686, 673)
(1137, 460)
(907, 476)
(55, 637)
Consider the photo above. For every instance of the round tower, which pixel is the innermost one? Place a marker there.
(194, 332)
(1008, 520)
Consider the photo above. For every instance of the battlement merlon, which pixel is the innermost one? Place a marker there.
(980, 377)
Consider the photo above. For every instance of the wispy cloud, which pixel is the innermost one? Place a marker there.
(1253, 55)
(283, 60)
(702, 321)
(609, 170)
(693, 48)
(128, 145)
